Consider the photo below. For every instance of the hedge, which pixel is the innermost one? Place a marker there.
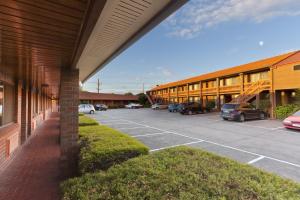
(283, 112)
(180, 173)
(87, 121)
(103, 147)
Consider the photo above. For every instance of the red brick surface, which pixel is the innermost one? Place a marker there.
(34, 172)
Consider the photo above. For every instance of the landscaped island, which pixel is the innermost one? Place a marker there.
(176, 173)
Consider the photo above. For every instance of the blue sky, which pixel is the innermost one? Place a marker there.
(204, 36)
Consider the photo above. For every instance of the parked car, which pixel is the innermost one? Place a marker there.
(101, 107)
(293, 121)
(159, 106)
(133, 106)
(241, 112)
(86, 108)
(190, 108)
(173, 107)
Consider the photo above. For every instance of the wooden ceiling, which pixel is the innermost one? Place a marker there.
(41, 33)
(46, 35)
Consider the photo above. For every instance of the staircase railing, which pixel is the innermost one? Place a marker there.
(252, 90)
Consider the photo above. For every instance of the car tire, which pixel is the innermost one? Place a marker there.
(190, 112)
(242, 118)
(92, 112)
(224, 118)
(262, 116)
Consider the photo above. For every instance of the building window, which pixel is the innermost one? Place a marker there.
(7, 104)
(1, 102)
(297, 67)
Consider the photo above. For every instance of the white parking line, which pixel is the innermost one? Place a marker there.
(110, 124)
(109, 121)
(226, 146)
(281, 127)
(256, 160)
(150, 134)
(152, 150)
(130, 128)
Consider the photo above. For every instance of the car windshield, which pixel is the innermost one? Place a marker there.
(297, 114)
(229, 106)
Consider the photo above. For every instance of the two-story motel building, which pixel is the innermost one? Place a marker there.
(275, 78)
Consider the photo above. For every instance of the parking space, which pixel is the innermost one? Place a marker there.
(261, 143)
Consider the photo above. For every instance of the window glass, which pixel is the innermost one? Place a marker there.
(1, 102)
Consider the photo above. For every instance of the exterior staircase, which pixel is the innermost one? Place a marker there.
(149, 99)
(252, 91)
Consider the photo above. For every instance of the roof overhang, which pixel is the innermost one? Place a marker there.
(120, 24)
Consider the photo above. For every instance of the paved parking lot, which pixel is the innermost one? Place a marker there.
(261, 143)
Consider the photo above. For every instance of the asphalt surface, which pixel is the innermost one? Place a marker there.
(261, 143)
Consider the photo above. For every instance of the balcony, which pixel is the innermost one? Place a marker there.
(182, 93)
(194, 92)
(209, 90)
(230, 89)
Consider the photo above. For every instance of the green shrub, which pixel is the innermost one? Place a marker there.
(180, 173)
(102, 147)
(87, 121)
(286, 110)
(80, 114)
(210, 105)
(264, 105)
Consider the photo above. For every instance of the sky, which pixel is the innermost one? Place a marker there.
(203, 36)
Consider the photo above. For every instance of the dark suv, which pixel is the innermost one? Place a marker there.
(190, 108)
(241, 112)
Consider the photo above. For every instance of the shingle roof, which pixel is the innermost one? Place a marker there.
(106, 96)
(260, 64)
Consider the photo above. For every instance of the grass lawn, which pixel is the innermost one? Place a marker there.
(86, 121)
(181, 173)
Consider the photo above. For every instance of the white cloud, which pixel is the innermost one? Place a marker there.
(201, 14)
(164, 71)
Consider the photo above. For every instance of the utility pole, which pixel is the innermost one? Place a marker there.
(98, 85)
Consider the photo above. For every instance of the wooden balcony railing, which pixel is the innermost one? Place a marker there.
(182, 93)
(231, 88)
(194, 92)
(209, 90)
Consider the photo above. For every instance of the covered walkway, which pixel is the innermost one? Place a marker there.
(34, 172)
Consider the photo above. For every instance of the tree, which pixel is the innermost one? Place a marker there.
(128, 93)
(143, 100)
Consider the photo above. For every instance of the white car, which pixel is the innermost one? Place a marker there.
(86, 108)
(133, 105)
(158, 106)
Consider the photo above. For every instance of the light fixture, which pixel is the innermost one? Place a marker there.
(282, 93)
(293, 94)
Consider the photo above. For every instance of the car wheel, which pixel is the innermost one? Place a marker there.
(92, 112)
(225, 118)
(262, 116)
(242, 118)
(190, 112)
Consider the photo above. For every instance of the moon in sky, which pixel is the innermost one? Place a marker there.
(261, 43)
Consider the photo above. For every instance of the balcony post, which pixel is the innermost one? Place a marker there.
(188, 92)
(200, 92)
(168, 95)
(177, 94)
(242, 83)
(218, 93)
(272, 93)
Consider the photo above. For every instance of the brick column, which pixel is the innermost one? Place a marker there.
(24, 112)
(68, 102)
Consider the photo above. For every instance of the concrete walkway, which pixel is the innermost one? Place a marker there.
(34, 172)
